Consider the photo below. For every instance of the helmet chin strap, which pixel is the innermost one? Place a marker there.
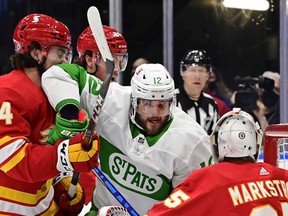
(95, 71)
(41, 67)
(133, 116)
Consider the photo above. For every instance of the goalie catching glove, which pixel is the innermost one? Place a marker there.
(72, 155)
(65, 129)
(67, 206)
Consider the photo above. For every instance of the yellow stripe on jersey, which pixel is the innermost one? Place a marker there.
(15, 160)
(25, 198)
(5, 139)
(51, 211)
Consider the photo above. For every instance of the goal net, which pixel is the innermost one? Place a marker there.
(275, 145)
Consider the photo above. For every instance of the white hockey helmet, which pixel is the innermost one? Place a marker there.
(236, 135)
(151, 82)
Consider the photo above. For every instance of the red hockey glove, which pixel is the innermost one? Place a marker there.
(73, 156)
(66, 205)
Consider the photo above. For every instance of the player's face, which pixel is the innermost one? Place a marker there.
(195, 78)
(152, 115)
(57, 55)
(120, 62)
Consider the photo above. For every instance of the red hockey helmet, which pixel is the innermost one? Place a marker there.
(116, 41)
(43, 29)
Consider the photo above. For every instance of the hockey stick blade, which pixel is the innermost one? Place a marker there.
(96, 26)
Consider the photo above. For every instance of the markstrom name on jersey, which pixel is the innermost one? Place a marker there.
(127, 174)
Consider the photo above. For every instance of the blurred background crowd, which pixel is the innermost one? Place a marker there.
(242, 44)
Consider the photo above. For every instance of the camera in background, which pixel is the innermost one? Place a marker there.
(248, 91)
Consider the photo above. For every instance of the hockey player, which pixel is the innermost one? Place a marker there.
(90, 57)
(148, 146)
(27, 164)
(195, 68)
(237, 185)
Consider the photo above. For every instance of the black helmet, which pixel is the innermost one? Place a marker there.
(195, 58)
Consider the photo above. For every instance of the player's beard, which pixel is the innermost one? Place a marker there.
(152, 125)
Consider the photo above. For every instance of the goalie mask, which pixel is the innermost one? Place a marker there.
(152, 83)
(236, 135)
(43, 29)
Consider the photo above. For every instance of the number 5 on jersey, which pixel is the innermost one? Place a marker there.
(176, 199)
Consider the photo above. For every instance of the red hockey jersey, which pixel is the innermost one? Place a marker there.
(229, 189)
(25, 120)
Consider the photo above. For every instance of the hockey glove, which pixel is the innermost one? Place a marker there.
(65, 129)
(73, 156)
(66, 205)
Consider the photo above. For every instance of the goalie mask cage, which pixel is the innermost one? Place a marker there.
(275, 145)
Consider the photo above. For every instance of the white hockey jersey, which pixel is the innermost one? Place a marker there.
(144, 169)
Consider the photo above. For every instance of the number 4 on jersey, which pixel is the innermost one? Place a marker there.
(5, 113)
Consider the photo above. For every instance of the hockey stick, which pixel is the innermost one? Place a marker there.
(96, 26)
(114, 191)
